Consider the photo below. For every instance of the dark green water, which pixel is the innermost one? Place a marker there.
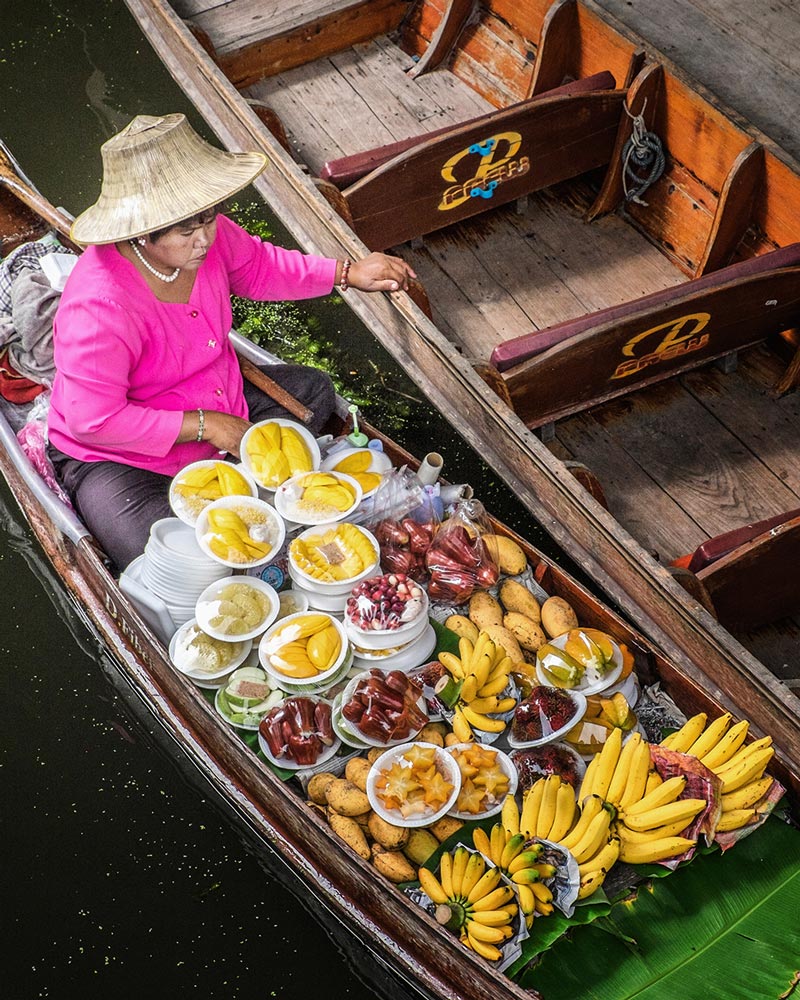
(120, 878)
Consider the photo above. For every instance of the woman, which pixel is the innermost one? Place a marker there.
(147, 379)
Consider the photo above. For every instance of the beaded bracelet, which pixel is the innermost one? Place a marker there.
(201, 425)
(345, 271)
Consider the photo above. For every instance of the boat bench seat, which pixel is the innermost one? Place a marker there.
(722, 545)
(346, 170)
(530, 345)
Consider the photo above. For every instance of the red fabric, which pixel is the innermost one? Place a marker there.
(14, 387)
(348, 169)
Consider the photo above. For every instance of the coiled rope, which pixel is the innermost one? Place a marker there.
(643, 159)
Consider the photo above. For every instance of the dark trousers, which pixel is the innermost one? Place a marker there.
(119, 503)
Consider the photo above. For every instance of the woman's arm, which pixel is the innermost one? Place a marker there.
(222, 430)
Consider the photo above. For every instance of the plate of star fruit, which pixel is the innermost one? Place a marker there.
(487, 777)
(413, 784)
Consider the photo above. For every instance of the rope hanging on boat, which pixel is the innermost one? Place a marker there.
(643, 159)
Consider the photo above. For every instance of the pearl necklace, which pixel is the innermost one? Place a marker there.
(149, 266)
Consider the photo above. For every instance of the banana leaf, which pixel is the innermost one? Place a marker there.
(725, 925)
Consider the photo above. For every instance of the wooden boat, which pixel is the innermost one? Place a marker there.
(373, 115)
(400, 933)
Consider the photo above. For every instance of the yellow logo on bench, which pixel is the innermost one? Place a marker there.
(673, 343)
(491, 170)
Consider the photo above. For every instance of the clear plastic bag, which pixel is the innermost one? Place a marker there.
(404, 540)
(458, 560)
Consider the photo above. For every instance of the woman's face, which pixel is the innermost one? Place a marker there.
(184, 245)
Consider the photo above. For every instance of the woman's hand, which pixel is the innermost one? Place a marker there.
(223, 430)
(378, 273)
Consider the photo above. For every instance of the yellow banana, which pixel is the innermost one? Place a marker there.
(464, 649)
(494, 687)
(469, 690)
(509, 815)
(743, 754)
(654, 850)
(749, 770)
(498, 839)
(482, 932)
(494, 900)
(461, 727)
(565, 813)
(525, 876)
(592, 806)
(587, 784)
(609, 756)
(452, 664)
(727, 746)
(488, 951)
(595, 837)
(654, 779)
(526, 859)
(481, 669)
(637, 778)
(485, 885)
(476, 866)
(603, 859)
(514, 846)
(547, 808)
(667, 791)
(460, 858)
(480, 840)
(492, 918)
(646, 836)
(747, 795)
(531, 804)
(590, 883)
(446, 873)
(527, 900)
(671, 812)
(681, 740)
(621, 772)
(483, 722)
(432, 886)
(734, 819)
(710, 736)
(483, 642)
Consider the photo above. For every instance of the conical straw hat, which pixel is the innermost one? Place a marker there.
(156, 172)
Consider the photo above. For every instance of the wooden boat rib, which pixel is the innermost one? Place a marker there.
(401, 934)
(477, 276)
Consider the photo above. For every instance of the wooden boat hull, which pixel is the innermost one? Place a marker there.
(642, 588)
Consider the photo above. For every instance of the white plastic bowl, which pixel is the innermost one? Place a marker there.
(505, 763)
(408, 656)
(188, 508)
(444, 761)
(170, 539)
(274, 524)
(292, 765)
(290, 492)
(306, 434)
(585, 688)
(348, 693)
(205, 609)
(322, 681)
(291, 603)
(332, 603)
(205, 678)
(388, 638)
(338, 587)
(379, 462)
(580, 710)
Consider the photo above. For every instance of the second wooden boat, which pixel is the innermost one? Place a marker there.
(490, 144)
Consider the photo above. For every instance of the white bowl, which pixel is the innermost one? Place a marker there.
(332, 603)
(506, 764)
(275, 696)
(291, 603)
(586, 688)
(290, 492)
(389, 638)
(341, 728)
(205, 609)
(275, 637)
(580, 710)
(171, 539)
(259, 508)
(578, 762)
(337, 587)
(304, 432)
(292, 765)
(188, 508)
(444, 761)
(379, 462)
(205, 678)
(406, 657)
(347, 695)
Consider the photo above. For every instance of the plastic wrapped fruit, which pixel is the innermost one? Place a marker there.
(545, 711)
(385, 602)
(299, 729)
(555, 758)
(384, 707)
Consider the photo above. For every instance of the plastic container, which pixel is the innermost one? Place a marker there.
(204, 678)
(406, 657)
(306, 434)
(272, 641)
(553, 737)
(332, 603)
(188, 508)
(311, 584)
(585, 687)
(289, 494)
(252, 510)
(292, 765)
(291, 603)
(206, 607)
(389, 638)
(444, 763)
(506, 763)
(347, 695)
(379, 463)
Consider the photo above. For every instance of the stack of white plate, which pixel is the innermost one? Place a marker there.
(176, 569)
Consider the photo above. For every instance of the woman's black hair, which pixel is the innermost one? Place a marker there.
(200, 219)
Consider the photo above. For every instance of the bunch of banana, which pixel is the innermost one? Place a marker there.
(323, 491)
(548, 809)
(472, 900)
(276, 452)
(648, 829)
(357, 465)
(593, 843)
(230, 538)
(480, 674)
(304, 647)
(720, 747)
(210, 482)
(339, 553)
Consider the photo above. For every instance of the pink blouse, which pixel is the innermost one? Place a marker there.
(128, 365)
